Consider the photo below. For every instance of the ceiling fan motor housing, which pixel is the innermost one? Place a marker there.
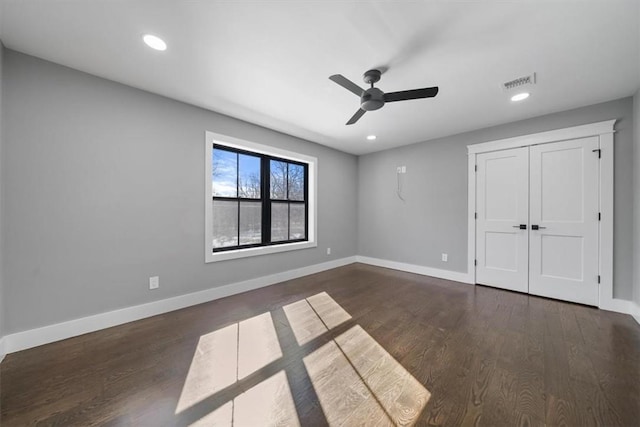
(372, 76)
(372, 99)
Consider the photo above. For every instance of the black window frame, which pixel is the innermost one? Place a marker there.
(265, 199)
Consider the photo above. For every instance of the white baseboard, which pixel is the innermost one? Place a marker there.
(417, 269)
(48, 334)
(617, 305)
(636, 312)
(613, 304)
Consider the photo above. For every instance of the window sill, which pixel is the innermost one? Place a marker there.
(263, 250)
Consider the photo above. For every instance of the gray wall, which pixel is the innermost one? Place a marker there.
(636, 198)
(433, 217)
(104, 187)
(2, 310)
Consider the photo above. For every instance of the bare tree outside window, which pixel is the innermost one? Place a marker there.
(249, 187)
(295, 180)
(278, 179)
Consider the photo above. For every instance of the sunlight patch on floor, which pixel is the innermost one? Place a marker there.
(213, 368)
(355, 379)
(312, 317)
(269, 403)
(303, 320)
(227, 355)
(221, 417)
(331, 313)
(358, 382)
(258, 344)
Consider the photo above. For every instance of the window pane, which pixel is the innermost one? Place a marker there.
(297, 221)
(296, 182)
(249, 176)
(225, 223)
(279, 222)
(278, 172)
(224, 173)
(250, 223)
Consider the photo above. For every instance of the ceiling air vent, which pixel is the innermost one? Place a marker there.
(519, 82)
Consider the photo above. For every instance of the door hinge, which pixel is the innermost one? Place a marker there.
(599, 152)
(475, 215)
(476, 168)
(475, 262)
(598, 278)
(599, 216)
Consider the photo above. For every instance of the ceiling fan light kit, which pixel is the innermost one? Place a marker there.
(373, 98)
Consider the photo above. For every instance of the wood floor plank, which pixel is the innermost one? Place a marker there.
(501, 398)
(356, 345)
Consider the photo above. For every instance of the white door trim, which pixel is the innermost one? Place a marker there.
(575, 132)
(604, 130)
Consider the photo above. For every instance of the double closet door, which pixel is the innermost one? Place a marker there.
(537, 220)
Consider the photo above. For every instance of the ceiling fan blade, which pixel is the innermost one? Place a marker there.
(356, 116)
(347, 84)
(428, 92)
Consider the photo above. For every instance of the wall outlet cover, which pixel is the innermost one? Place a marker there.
(154, 282)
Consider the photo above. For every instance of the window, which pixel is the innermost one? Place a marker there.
(260, 199)
(257, 199)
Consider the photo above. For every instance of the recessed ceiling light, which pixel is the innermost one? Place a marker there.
(154, 42)
(520, 96)
(371, 137)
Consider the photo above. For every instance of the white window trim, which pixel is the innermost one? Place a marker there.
(312, 162)
(604, 130)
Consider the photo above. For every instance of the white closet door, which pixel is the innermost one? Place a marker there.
(502, 205)
(564, 206)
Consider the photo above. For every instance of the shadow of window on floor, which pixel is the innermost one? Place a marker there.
(268, 403)
(239, 375)
(311, 317)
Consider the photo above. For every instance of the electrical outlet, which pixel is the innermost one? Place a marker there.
(328, 251)
(154, 282)
(404, 169)
(399, 169)
(445, 257)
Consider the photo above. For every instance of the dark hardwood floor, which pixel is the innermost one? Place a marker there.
(358, 345)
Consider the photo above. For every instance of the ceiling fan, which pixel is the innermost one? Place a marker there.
(373, 98)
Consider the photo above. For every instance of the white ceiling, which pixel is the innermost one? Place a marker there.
(268, 62)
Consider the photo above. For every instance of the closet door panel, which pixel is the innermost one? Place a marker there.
(564, 209)
(502, 205)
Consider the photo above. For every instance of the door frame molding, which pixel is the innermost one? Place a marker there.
(604, 130)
